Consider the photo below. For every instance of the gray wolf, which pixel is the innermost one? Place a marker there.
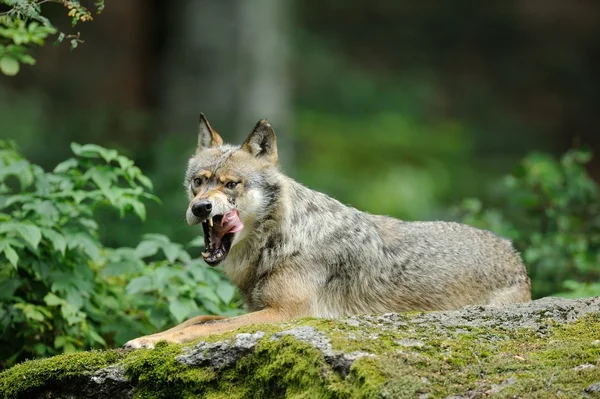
(295, 252)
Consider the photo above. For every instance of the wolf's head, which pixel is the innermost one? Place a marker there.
(230, 187)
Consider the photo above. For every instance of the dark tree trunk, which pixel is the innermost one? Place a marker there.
(228, 59)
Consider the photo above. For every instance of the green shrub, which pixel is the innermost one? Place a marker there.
(384, 163)
(61, 290)
(23, 26)
(551, 210)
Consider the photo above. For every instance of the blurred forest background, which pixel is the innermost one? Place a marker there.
(402, 108)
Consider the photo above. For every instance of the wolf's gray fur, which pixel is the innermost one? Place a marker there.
(296, 252)
(331, 260)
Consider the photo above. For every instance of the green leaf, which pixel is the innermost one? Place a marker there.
(33, 314)
(207, 293)
(139, 284)
(139, 209)
(93, 151)
(85, 243)
(96, 337)
(11, 255)
(108, 154)
(8, 288)
(146, 249)
(30, 233)
(102, 177)
(145, 181)
(75, 299)
(27, 59)
(183, 255)
(60, 341)
(162, 277)
(197, 242)
(76, 148)
(66, 165)
(58, 240)
(71, 314)
(45, 210)
(212, 307)
(181, 308)
(225, 291)
(40, 349)
(171, 252)
(52, 300)
(89, 224)
(124, 162)
(22, 170)
(159, 238)
(69, 348)
(122, 268)
(196, 270)
(9, 66)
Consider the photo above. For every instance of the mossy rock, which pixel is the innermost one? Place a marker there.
(546, 348)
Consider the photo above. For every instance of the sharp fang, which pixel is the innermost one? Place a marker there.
(210, 221)
(219, 255)
(205, 254)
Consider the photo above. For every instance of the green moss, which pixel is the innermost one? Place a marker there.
(275, 368)
(155, 371)
(278, 368)
(451, 361)
(28, 377)
(456, 361)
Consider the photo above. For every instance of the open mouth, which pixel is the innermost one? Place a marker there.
(219, 231)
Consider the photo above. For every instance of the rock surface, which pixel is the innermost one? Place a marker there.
(546, 348)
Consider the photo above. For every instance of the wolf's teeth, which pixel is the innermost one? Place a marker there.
(210, 221)
(205, 254)
(219, 255)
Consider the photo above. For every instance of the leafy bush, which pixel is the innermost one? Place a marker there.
(61, 290)
(403, 167)
(551, 209)
(23, 26)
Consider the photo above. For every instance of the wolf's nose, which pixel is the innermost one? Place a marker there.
(202, 209)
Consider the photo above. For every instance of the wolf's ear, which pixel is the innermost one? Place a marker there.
(207, 137)
(261, 142)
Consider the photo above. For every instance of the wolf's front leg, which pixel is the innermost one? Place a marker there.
(138, 342)
(189, 331)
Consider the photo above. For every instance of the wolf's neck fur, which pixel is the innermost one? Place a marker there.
(247, 260)
(292, 224)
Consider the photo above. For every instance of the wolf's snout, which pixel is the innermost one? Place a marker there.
(202, 209)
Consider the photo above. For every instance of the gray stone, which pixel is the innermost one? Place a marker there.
(594, 388)
(500, 387)
(493, 324)
(339, 361)
(220, 354)
(584, 367)
(510, 317)
(407, 342)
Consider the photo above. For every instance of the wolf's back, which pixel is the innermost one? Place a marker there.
(369, 263)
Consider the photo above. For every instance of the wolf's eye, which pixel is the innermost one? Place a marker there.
(231, 185)
(197, 182)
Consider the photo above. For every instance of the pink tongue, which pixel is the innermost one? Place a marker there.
(230, 223)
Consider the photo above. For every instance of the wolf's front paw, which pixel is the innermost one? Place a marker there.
(142, 342)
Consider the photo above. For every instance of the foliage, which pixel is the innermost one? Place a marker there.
(551, 209)
(61, 290)
(371, 140)
(23, 26)
(389, 160)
